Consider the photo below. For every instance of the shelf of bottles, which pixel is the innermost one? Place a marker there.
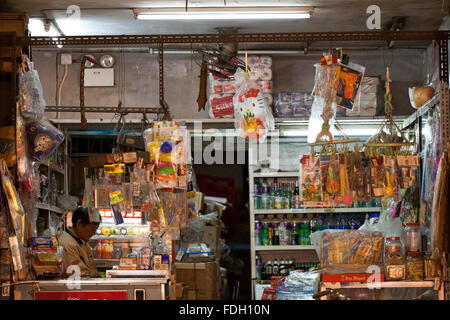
(279, 194)
(264, 271)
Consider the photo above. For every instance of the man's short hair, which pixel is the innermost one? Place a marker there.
(81, 214)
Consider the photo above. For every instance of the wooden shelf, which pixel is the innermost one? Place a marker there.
(279, 248)
(48, 207)
(317, 210)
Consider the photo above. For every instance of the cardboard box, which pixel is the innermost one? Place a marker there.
(349, 277)
(201, 280)
(210, 235)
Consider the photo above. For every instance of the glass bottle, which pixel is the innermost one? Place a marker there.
(276, 268)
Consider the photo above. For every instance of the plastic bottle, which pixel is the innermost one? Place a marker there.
(278, 198)
(258, 264)
(307, 235)
(98, 249)
(257, 233)
(276, 235)
(294, 235)
(296, 196)
(283, 233)
(265, 235)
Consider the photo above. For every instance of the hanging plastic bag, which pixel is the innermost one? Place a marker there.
(31, 97)
(43, 138)
(253, 117)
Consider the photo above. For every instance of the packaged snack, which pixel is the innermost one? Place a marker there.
(253, 118)
(349, 82)
(391, 181)
(221, 106)
(43, 138)
(377, 176)
(310, 181)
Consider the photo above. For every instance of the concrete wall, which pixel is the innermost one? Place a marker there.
(290, 74)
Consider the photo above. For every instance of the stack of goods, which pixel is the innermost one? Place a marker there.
(166, 142)
(47, 258)
(354, 179)
(261, 68)
(220, 98)
(298, 286)
(366, 101)
(293, 104)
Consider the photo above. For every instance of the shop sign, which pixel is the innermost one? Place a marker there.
(80, 295)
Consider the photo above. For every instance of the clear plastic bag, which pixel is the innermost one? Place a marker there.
(351, 249)
(168, 146)
(43, 138)
(253, 117)
(31, 97)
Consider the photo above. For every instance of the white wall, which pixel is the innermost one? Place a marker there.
(290, 74)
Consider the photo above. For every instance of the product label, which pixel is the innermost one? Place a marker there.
(116, 197)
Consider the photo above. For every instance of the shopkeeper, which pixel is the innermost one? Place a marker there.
(76, 250)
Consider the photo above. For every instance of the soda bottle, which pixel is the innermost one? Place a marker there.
(307, 235)
(278, 198)
(270, 228)
(258, 265)
(265, 235)
(257, 233)
(296, 196)
(276, 236)
(294, 235)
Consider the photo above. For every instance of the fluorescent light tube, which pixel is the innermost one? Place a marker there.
(224, 13)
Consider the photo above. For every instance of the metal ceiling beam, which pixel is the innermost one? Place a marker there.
(382, 35)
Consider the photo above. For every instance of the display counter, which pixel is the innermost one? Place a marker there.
(155, 288)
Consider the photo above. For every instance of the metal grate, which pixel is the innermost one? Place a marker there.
(445, 113)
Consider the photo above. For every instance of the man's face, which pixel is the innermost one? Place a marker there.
(86, 231)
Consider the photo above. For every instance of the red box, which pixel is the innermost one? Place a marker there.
(274, 281)
(269, 294)
(349, 277)
(80, 295)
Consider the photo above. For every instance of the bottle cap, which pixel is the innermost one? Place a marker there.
(393, 238)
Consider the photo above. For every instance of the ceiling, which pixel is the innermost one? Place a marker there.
(115, 17)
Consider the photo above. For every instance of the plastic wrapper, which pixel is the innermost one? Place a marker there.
(310, 181)
(298, 286)
(253, 117)
(366, 103)
(329, 167)
(265, 86)
(43, 138)
(31, 97)
(345, 192)
(116, 200)
(358, 171)
(391, 179)
(349, 82)
(167, 143)
(351, 249)
(376, 176)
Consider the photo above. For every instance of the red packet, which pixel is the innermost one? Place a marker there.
(269, 294)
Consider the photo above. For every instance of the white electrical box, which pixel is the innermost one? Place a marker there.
(66, 58)
(99, 77)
